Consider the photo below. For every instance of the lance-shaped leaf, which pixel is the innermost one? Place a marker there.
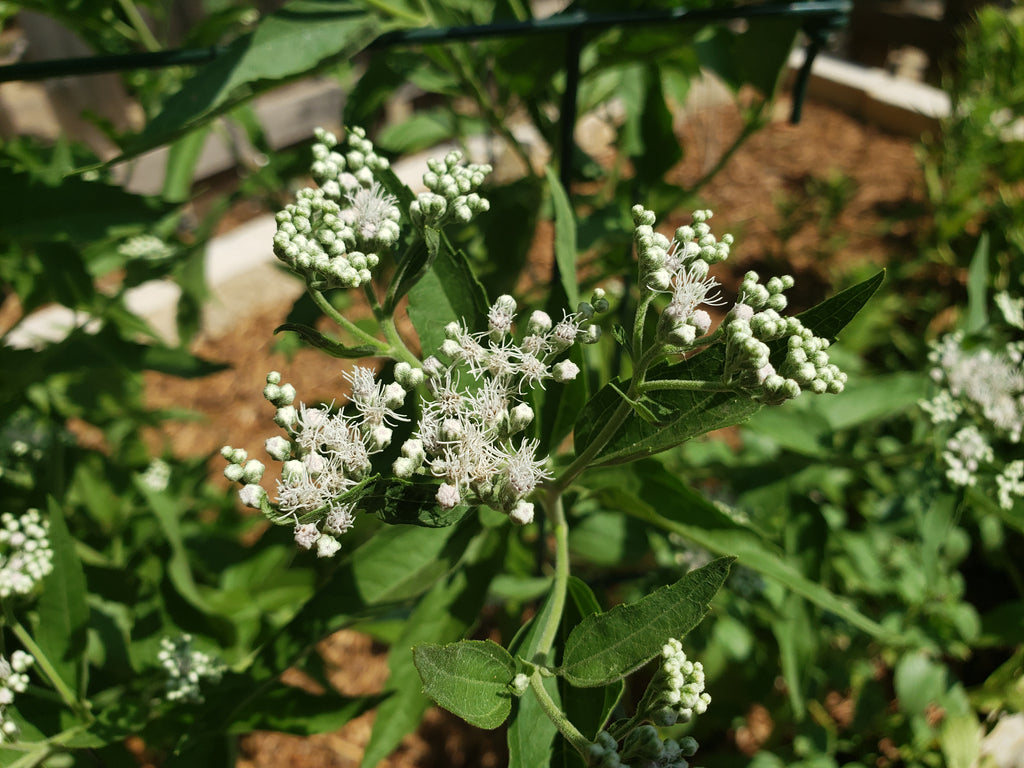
(694, 413)
(606, 647)
(314, 338)
(469, 678)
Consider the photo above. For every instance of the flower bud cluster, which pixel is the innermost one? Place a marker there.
(680, 267)
(186, 669)
(470, 432)
(677, 690)
(324, 455)
(755, 321)
(13, 680)
(341, 172)
(642, 748)
(452, 192)
(332, 235)
(26, 557)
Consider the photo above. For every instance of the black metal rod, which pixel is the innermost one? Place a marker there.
(560, 23)
(93, 65)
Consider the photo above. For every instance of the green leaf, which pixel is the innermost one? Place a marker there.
(976, 317)
(293, 710)
(404, 502)
(444, 615)
(449, 291)
(565, 237)
(314, 338)
(657, 131)
(63, 612)
(469, 678)
(587, 710)
(531, 732)
(298, 40)
(606, 647)
(182, 159)
(754, 57)
(74, 210)
(649, 492)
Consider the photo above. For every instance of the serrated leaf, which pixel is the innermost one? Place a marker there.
(606, 647)
(469, 678)
(314, 338)
(62, 609)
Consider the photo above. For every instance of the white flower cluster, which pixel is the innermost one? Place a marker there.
(325, 454)
(452, 195)
(642, 748)
(13, 680)
(680, 267)
(982, 391)
(1010, 483)
(965, 452)
(469, 429)
(988, 386)
(679, 687)
(186, 669)
(26, 557)
(145, 247)
(157, 475)
(332, 235)
(752, 323)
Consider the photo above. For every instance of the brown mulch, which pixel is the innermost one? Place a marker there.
(774, 183)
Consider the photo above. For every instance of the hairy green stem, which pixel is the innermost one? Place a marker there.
(328, 309)
(582, 461)
(399, 350)
(682, 385)
(552, 503)
(571, 733)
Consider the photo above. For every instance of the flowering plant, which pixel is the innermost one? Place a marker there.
(460, 431)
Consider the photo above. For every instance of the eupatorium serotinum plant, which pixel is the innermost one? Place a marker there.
(480, 422)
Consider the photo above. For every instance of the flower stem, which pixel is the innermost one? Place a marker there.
(552, 503)
(328, 309)
(571, 733)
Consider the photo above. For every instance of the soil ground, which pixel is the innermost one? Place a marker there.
(813, 199)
